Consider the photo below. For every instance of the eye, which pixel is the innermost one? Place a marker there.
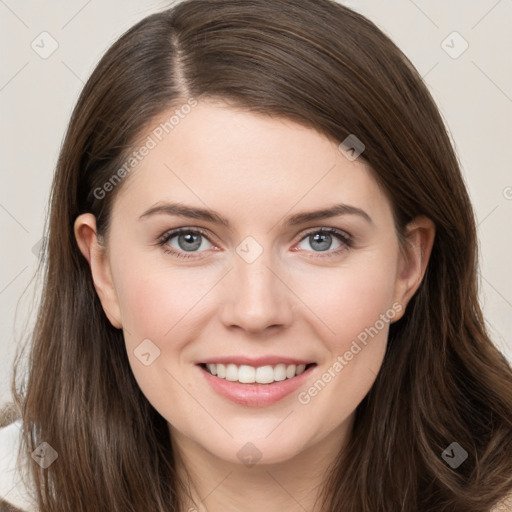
(186, 242)
(182, 241)
(321, 240)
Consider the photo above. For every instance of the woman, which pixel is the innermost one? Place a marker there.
(260, 289)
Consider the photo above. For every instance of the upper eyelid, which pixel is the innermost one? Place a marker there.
(171, 233)
(334, 231)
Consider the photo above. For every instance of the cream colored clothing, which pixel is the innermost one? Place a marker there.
(12, 489)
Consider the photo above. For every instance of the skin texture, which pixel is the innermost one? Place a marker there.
(293, 300)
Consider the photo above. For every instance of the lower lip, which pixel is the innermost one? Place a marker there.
(255, 395)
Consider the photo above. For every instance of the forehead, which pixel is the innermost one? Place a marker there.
(231, 159)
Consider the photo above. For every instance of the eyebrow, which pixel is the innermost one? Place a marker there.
(208, 215)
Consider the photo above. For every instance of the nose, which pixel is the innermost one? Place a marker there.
(256, 296)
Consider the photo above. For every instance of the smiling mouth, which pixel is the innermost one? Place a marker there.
(245, 374)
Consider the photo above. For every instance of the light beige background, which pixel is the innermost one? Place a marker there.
(473, 92)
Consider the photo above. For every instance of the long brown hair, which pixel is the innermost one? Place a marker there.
(318, 63)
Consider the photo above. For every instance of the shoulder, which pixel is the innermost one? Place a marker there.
(504, 506)
(13, 493)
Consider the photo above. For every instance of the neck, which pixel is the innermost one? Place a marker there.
(217, 485)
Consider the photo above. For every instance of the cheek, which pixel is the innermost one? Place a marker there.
(160, 311)
(352, 297)
(355, 302)
(154, 299)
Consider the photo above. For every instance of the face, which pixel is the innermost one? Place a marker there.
(240, 275)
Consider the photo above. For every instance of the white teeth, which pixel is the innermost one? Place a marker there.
(265, 375)
(280, 372)
(221, 371)
(261, 375)
(231, 372)
(246, 374)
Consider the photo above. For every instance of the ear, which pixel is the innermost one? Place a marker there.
(96, 255)
(413, 259)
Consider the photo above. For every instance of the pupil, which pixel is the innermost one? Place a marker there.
(323, 239)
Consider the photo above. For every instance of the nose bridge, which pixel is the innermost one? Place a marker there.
(255, 296)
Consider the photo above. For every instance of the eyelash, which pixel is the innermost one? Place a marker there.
(341, 235)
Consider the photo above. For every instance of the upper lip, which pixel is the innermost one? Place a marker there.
(256, 361)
